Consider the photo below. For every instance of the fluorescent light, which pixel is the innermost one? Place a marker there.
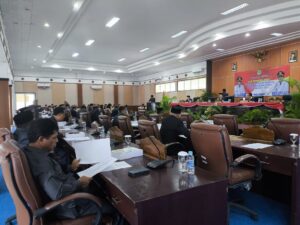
(89, 42)
(46, 25)
(261, 25)
(76, 6)
(60, 34)
(144, 49)
(220, 49)
(214, 45)
(179, 34)
(56, 66)
(195, 47)
(75, 54)
(157, 63)
(235, 9)
(50, 51)
(39, 46)
(121, 60)
(181, 55)
(91, 68)
(112, 22)
(44, 61)
(247, 35)
(219, 36)
(276, 34)
(118, 71)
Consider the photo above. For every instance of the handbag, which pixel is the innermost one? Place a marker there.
(153, 148)
(116, 134)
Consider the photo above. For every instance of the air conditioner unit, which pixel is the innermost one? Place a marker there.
(96, 87)
(43, 85)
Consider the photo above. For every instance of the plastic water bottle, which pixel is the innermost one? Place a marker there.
(190, 164)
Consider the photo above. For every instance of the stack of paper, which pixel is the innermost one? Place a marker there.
(97, 168)
(256, 146)
(76, 137)
(126, 153)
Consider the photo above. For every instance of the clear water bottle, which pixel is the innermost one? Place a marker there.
(190, 164)
(182, 159)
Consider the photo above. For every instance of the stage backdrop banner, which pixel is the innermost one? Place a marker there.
(264, 82)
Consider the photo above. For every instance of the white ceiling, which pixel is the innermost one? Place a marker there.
(143, 24)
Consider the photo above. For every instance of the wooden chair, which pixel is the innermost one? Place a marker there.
(282, 127)
(230, 122)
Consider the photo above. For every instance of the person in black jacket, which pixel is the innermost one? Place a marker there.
(173, 129)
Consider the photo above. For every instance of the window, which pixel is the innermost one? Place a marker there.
(195, 84)
(24, 99)
(167, 87)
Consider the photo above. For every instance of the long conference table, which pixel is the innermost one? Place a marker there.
(165, 196)
(282, 159)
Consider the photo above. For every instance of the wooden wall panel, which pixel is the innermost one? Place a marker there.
(44, 96)
(71, 94)
(87, 94)
(58, 93)
(98, 96)
(108, 92)
(128, 98)
(5, 115)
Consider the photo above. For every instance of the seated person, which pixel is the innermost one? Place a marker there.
(172, 128)
(121, 112)
(53, 181)
(223, 94)
(22, 121)
(189, 99)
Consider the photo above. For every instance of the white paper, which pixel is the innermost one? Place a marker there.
(159, 126)
(77, 139)
(75, 134)
(134, 123)
(117, 165)
(126, 153)
(93, 151)
(256, 146)
(61, 123)
(97, 168)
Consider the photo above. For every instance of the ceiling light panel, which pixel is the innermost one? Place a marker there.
(75, 54)
(247, 35)
(118, 71)
(157, 63)
(122, 59)
(91, 68)
(60, 34)
(112, 22)
(46, 25)
(261, 25)
(179, 34)
(144, 49)
(50, 51)
(89, 42)
(276, 34)
(235, 9)
(181, 55)
(76, 6)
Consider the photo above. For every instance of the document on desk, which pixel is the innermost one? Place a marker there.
(256, 146)
(77, 139)
(117, 165)
(97, 168)
(93, 151)
(126, 153)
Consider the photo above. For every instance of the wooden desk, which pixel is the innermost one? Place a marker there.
(164, 197)
(281, 159)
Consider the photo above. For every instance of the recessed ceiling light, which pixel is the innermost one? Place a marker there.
(195, 47)
(89, 42)
(214, 45)
(44, 61)
(235, 9)
(220, 49)
(181, 55)
(112, 22)
(91, 68)
(39, 46)
(46, 25)
(75, 54)
(118, 71)
(157, 63)
(121, 60)
(261, 25)
(247, 35)
(276, 34)
(50, 51)
(76, 6)
(56, 66)
(179, 34)
(60, 34)
(144, 49)
(219, 36)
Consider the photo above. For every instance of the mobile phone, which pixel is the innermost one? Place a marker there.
(138, 171)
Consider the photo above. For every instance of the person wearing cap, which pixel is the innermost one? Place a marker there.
(22, 121)
(281, 87)
(239, 89)
(173, 129)
(189, 99)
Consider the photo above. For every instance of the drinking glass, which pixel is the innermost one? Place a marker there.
(83, 124)
(293, 138)
(127, 139)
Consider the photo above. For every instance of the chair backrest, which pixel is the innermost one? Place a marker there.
(154, 117)
(125, 125)
(230, 122)
(20, 183)
(187, 118)
(105, 120)
(282, 127)
(213, 148)
(148, 128)
(4, 135)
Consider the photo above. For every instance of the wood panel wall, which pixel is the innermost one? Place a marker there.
(223, 77)
(5, 111)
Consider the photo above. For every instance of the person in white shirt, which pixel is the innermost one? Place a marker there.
(281, 86)
(239, 89)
